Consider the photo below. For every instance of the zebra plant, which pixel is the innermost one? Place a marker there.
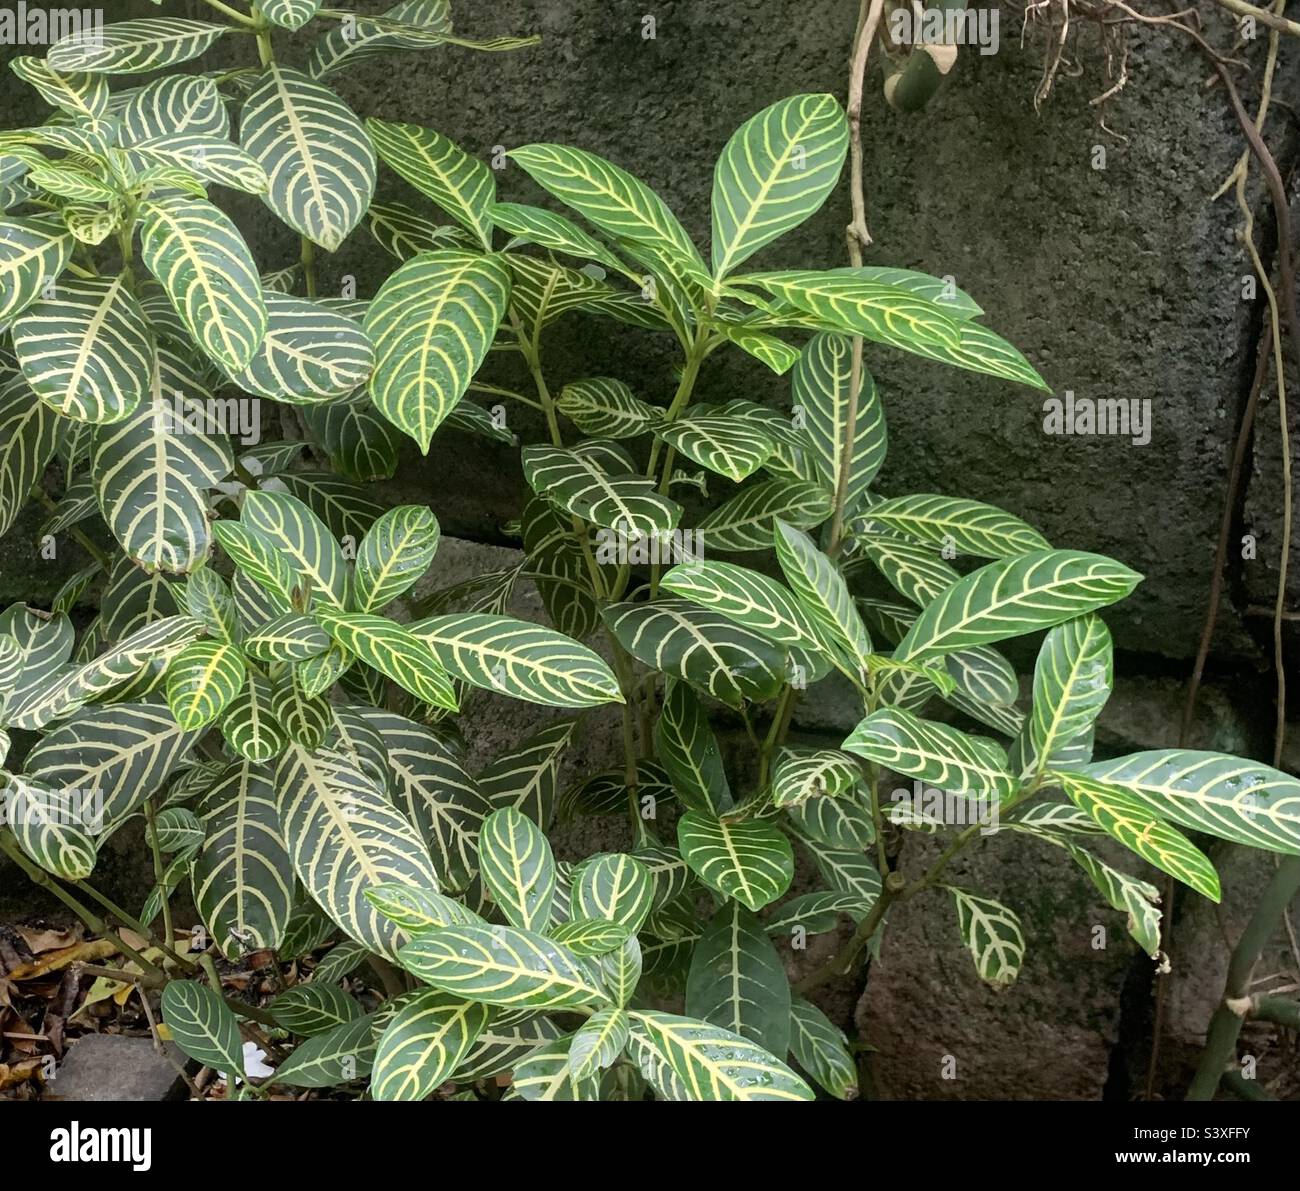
(265, 688)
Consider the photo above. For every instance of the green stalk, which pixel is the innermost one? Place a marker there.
(159, 872)
(1225, 1025)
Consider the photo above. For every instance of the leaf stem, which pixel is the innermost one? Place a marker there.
(233, 13)
(159, 872)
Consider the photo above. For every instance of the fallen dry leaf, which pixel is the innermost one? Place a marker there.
(54, 961)
(40, 940)
(12, 1074)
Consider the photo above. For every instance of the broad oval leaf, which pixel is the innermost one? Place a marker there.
(202, 679)
(613, 887)
(993, 935)
(598, 1043)
(28, 436)
(747, 521)
(708, 1062)
(737, 980)
(203, 1026)
(688, 750)
(941, 756)
(966, 526)
(32, 252)
(432, 323)
(710, 651)
(516, 658)
(1130, 821)
(204, 266)
(603, 407)
(394, 651)
(85, 350)
(318, 159)
(133, 47)
(727, 444)
(775, 171)
(315, 1008)
(500, 965)
(303, 540)
(1016, 596)
(821, 1049)
(820, 588)
(344, 837)
(242, 877)
(394, 555)
(801, 774)
(460, 184)
(423, 1043)
(750, 861)
(310, 354)
(517, 867)
(53, 827)
(1227, 797)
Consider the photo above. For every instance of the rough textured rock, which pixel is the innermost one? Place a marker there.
(118, 1067)
(1046, 1037)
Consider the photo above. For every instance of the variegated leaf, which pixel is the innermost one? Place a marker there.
(963, 526)
(518, 869)
(750, 861)
(394, 651)
(747, 520)
(603, 407)
(424, 1041)
(993, 935)
(133, 47)
(394, 555)
(33, 252)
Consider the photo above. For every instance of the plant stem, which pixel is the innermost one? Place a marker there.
(1225, 1026)
(309, 266)
(38, 876)
(233, 13)
(105, 563)
(159, 873)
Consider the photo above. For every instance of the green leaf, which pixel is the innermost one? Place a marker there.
(208, 599)
(416, 910)
(209, 158)
(598, 1043)
(83, 96)
(316, 154)
(1130, 821)
(1016, 596)
(204, 266)
(916, 572)
(303, 541)
(726, 444)
(394, 555)
(242, 877)
(710, 1063)
(516, 658)
(821, 590)
(152, 470)
(1226, 797)
(404, 232)
(613, 200)
(750, 861)
(344, 837)
(439, 169)
(747, 521)
(941, 756)
(547, 1075)
(53, 826)
(688, 751)
(526, 777)
(588, 936)
(28, 435)
(500, 965)
(817, 913)
(409, 24)
(446, 805)
(315, 1008)
(85, 350)
(1072, 681)
(289, 14)
(394, 651)
(603, 407)
(614, 888)
(737, 980)
(801, 774)
(508, 1038)
(839, 301)
(820, 388)
(424, 1041)
(993, 935)
(173, 106)
(840, 823)
(133, 47)
(203, 1027)
(362, 444)
(963, 526)
(518, 868)
(821, 1049)
(249, 726)
(774, 172)
(546, 229)
(340, 1055)
(558, 568)
(123, 752)
(432, 323)
(291, 637)
(306, 719)
(980, 350)
(600, 487)
(32, 253)
(310, 354)
(747, 597)
(202, 679)
(710, 651)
